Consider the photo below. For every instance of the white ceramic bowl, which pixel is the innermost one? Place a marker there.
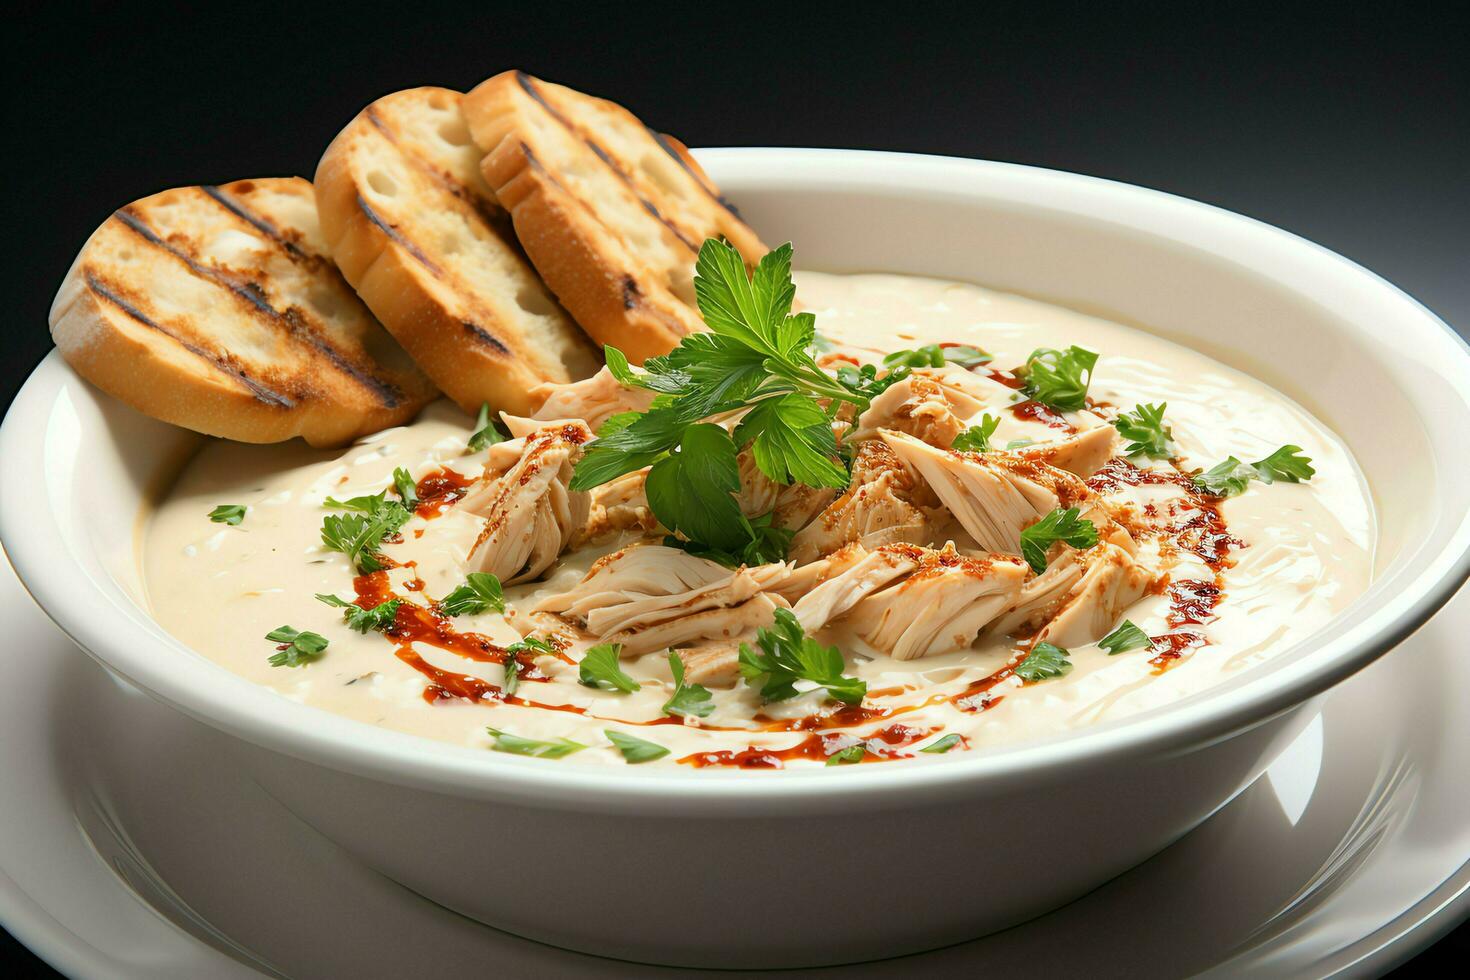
(762, 869)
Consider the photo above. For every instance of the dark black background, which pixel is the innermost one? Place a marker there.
(1348, 127)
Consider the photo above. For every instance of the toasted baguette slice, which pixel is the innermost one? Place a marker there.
(611, 213)
(216, 308)
(414, 228)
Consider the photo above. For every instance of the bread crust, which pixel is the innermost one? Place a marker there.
(468, 332)
(615, 238)
(249, 357)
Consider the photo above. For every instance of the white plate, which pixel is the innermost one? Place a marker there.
(131, 846)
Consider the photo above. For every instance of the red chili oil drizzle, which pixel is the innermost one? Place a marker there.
(1169, 648)
(1204, 535)
(883, 745)
(1037, 412)
(440, 490)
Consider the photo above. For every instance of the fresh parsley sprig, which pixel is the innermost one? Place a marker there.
(481, 592)
(1060, 525)
(231, 514)
(1231, 477)
(688, 700)
(757, 359)
(1045, 660)
(380, 617)
(787, 656)
(599, 668)
(298, 647)
(635, 749)
(934, 355)
(976, 439)
(1059, 378)
(1145, 426)
(520, 745)
(358, 535)
(1126, 637)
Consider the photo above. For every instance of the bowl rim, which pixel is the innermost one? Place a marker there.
(211, 693)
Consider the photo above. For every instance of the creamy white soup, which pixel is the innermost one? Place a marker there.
(959, 625)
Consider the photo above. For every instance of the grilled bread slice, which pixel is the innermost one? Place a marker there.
(611, 213)
(414, 228)
(217, 309)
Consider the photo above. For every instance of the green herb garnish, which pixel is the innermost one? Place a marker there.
(407, 489)
(1045, 660)
(599, 668)
(844, 757)
(520, 745)
(976, 439)
(358, 535)
(1059, 378)
(688, 700)
(942, 744)
(787, 655)
(486, 432)
(380, 617)
(1126, 637)
(512, 664)
(231, 514)
(757, 357)
(1060, 525)
(1231, 477)
(634, 749)
(1145, 426)
(480, 592)
(299, 648)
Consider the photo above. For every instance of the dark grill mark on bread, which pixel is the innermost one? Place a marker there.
(479, 333)
(112, 296)
(398, 237)
(490, 212)
(528, 84)
(293, 321)
(631, 295)
(667, 147)
(257, 222)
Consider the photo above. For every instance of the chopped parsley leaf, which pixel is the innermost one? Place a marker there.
(299, 648)
(1126, 637)
(844, 757)
(787, 655)
(1145, 427)
(634, 749)
(407, 489)
(599, 668)
(1060, 525)
(486, 432)
(943, 743)
(231, 514)
(1045, 660)
(480, 592)
(380, 617)
(688, 700)
(520, 745)
(976, 439)
(1059, 378)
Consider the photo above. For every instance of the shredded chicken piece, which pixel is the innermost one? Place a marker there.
(1082, 453)
(593, 400)
(713, 664)
(531, 516)
(720, 623)
(879, 507)
(651, 596)
(791, 505)
(804, 578)
(929, 405)
(1079, 597)
(619, 505)
(996, 495)
(911, 602)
